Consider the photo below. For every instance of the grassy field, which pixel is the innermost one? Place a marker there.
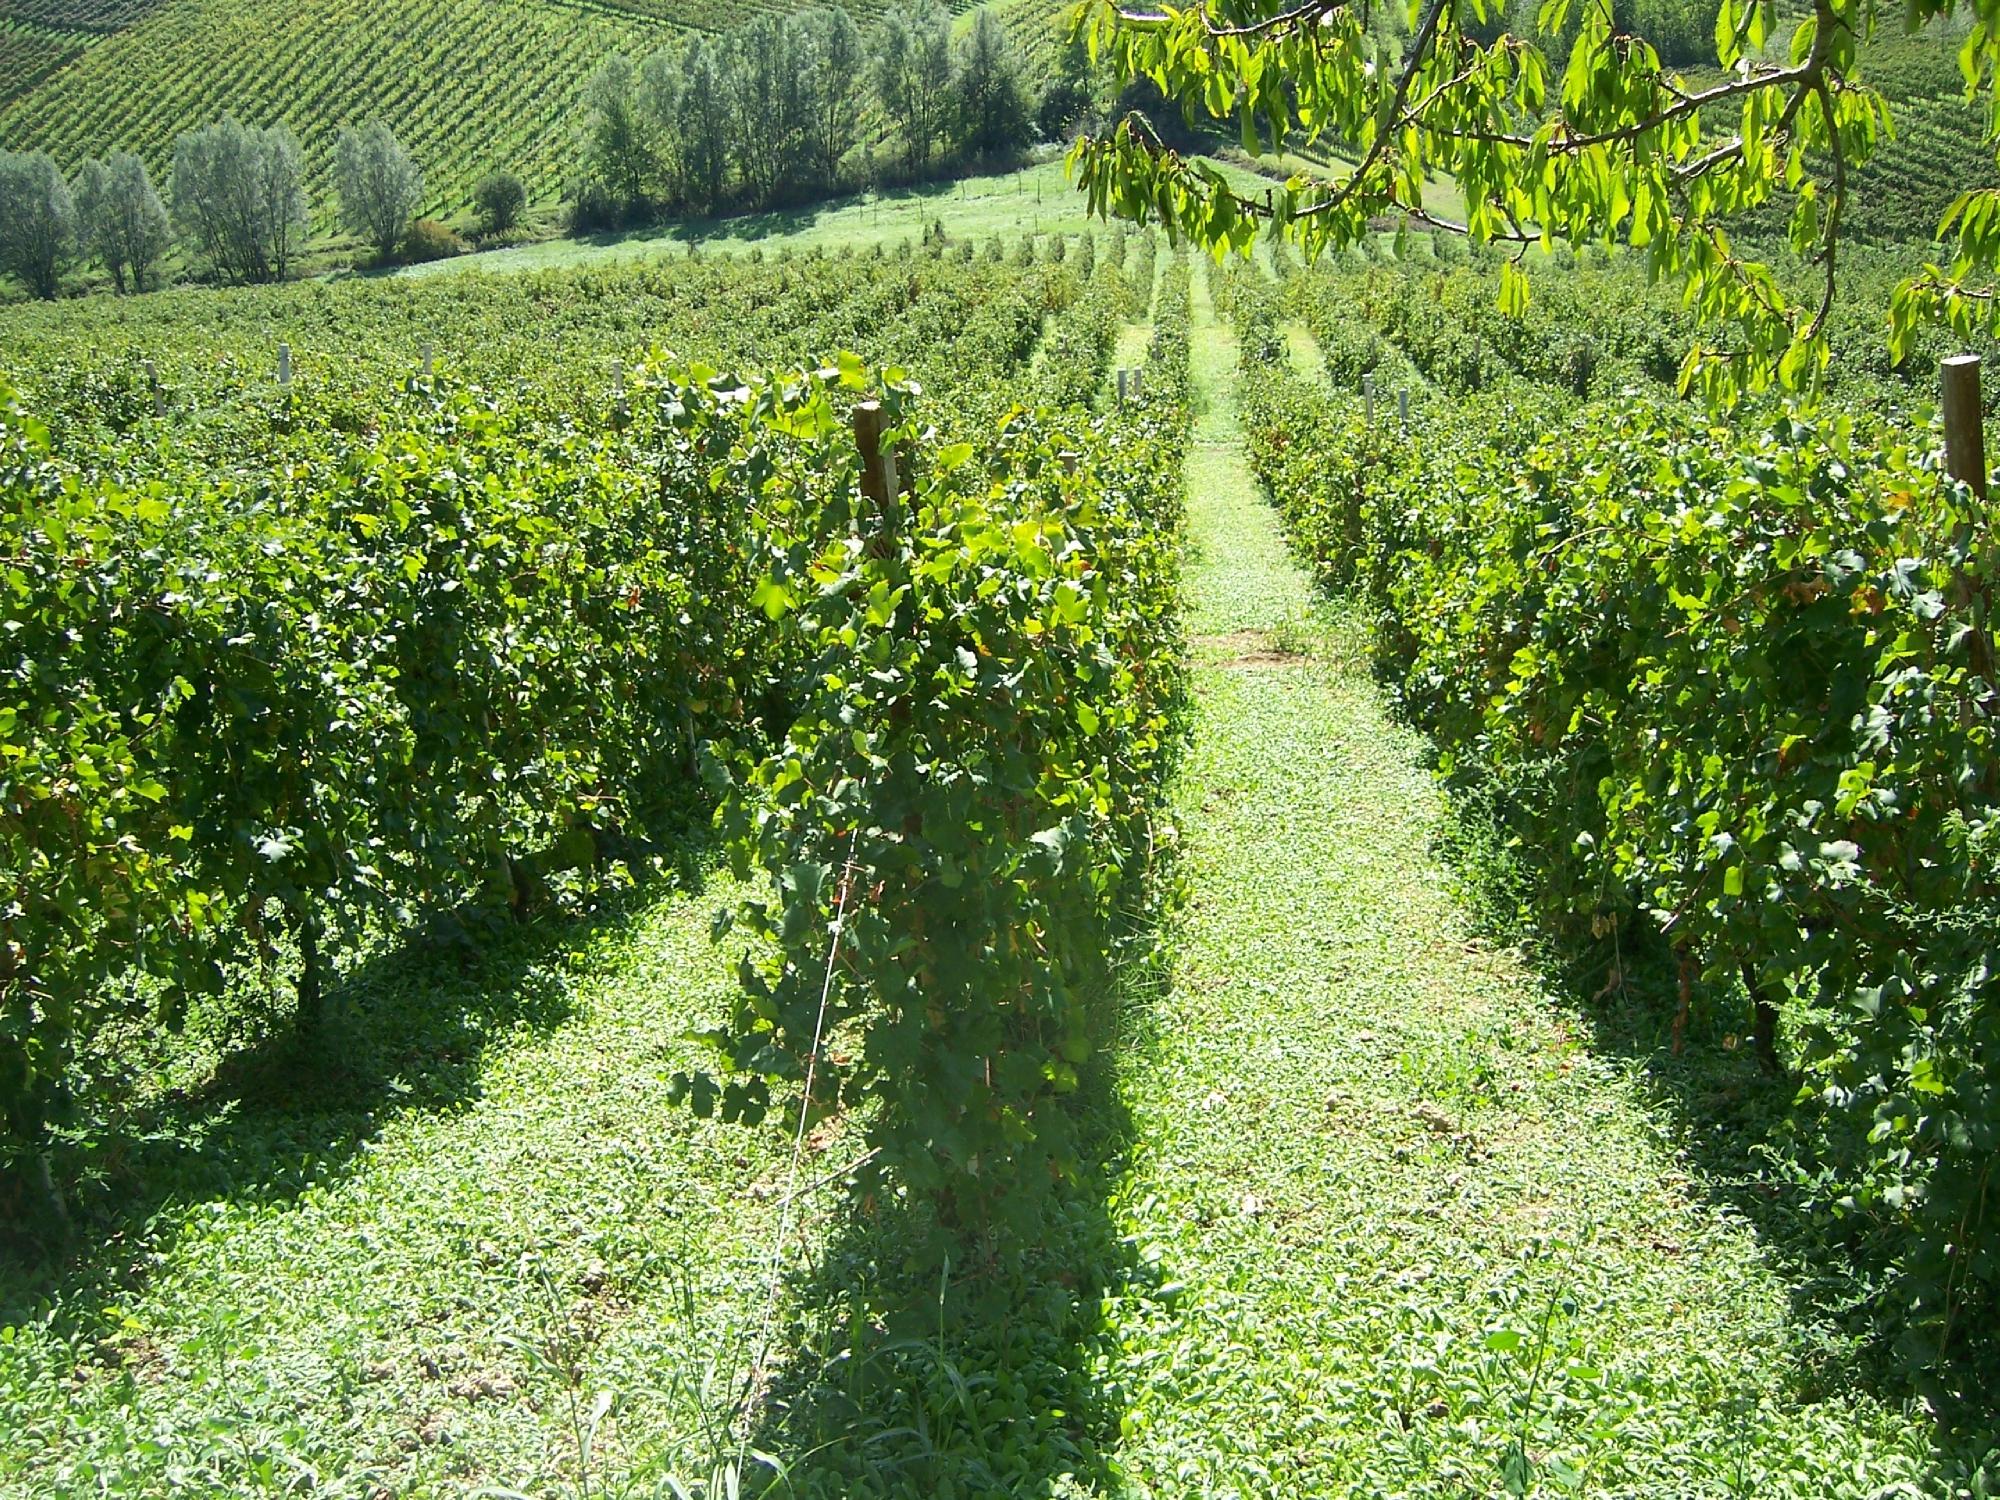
(407, 1272)
(1038, 199)
(1432, 1239)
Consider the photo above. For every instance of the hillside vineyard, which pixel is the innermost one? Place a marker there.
(957, 751)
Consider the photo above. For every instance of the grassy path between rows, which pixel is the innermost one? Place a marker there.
(469, 1245)
(1424, 1239)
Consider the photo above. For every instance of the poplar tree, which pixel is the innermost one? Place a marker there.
(121, 220)
(766, 97)
(992, 110)
(702, 118)
(912, 71)
(619, 136)
(658, 96)
(834, 59)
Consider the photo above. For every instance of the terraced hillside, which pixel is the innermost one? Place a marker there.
(29, 54)
(1935, 150)
(1038, 27)
(1938, 150)
(468, 85)
(95, 16)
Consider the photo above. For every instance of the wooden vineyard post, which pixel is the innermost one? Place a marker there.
(1139, 383)
(878, 461)
(1964, 422)
(621, 408)
(427, 359)
(1403, 409)
(285, 365)
(1121, 387)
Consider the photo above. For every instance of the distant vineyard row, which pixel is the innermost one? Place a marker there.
(77, 15)
(29, 54)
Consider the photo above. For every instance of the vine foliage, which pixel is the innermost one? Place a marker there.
(964, 816)
(1733, 696)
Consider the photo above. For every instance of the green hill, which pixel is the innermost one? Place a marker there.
(28, 54)
(467, 84)
(1939, 148)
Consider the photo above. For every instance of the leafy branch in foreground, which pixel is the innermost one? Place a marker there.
(1608, 146)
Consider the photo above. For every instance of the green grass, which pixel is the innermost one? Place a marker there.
(1414, 1213)
(398, 1267)
(1036, 199)
(1135, 338)
(1440, 197)
(1302, 351)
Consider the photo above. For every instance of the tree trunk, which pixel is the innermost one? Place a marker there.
(1763, 1021)
(312, 999)
(42, 1180)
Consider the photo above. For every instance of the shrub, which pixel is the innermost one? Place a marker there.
(174, 798)
(431, 239)
(1065, 106)
(500, 198)
(592, 208)
(969, 800)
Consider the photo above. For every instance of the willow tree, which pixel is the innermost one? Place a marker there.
(1565, 130)
(240, 198)
(381, 186)
(122, 219)
(37, 221)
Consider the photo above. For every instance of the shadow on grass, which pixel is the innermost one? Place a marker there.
(408, 1028)
(1736, 1123)
(980, 1377)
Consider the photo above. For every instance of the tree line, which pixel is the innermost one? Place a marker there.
(238, 205)
(770, 112)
